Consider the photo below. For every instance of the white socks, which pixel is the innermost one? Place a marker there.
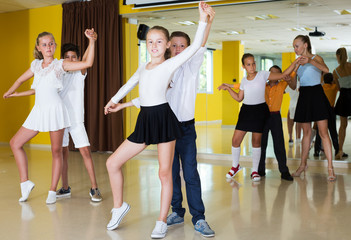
(256, 155)
(236, 156)
(51, 197)
(26, 188)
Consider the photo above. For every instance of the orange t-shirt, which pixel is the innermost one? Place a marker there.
(274, 95)
(330, 91)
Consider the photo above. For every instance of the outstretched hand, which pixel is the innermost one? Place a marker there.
(223, 86)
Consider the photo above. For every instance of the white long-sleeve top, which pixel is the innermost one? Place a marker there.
(181, 95)
(153, 83)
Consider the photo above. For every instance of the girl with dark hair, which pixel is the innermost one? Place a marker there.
(253, 113)
(312, 105)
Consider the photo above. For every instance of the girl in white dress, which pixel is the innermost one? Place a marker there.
(156, 122)
(49, 114)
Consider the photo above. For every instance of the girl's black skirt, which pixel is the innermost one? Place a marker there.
(252, 118)
(156, 124)
(343, 104)
(312, 105)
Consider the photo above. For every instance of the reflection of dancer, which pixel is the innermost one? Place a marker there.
(294, 95)
(330, 90)
(156, 122)
(253, 112)
(342, 76)
(73, 97)
(274, 97)
(49, 114)
(312, 105)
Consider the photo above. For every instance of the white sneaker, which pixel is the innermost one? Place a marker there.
(160, 230)
(51, 197)
(26, 188)
(117, 216)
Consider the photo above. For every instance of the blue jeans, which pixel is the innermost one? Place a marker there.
(185, 151)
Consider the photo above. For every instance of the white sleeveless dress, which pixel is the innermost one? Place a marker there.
(49, 113)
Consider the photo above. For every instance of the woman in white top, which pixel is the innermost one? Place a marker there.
(156, 123)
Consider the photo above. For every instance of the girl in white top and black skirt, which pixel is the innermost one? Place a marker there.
(156, 123)
(253, 112)
(312, 105)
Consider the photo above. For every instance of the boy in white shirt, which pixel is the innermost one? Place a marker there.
(73, 97)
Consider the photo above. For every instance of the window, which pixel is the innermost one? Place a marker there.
(205, 73)
(144, 56)
(266, 63)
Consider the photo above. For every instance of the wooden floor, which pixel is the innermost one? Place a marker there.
(308, 208)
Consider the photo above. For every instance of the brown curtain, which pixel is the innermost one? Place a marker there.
(105, 77)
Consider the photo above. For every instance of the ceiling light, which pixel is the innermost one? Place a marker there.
(233, 32)
(300, 29)
(263, 17)
(343, 12)
(148, 17)
(268, 40)
(301, 4)
(187, 23)
(328, 38)
(342, 24)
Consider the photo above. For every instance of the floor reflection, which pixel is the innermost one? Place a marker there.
(310, 207)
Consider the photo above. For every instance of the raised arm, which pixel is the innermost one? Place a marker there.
(177, 61)
(88, 58)
(24, 77)
(210, 16)
(277, 76)
(238, 96)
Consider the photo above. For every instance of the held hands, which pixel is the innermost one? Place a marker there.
(211, 14)
(91, 34)
(303, 60)
(7, 95)
(112, 107)
(203, 11)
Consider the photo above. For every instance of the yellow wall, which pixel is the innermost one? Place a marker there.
(232, 53)
(131, 63)
(287, 59)
(22, 28)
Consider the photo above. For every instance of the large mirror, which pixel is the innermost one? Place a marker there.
(265, 29)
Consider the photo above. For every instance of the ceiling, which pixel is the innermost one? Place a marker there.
(258, 36)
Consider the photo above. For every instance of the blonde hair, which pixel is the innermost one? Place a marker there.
(342, 56)
(36, 53)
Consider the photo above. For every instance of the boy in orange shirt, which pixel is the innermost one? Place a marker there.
(274, 97)
(330, 89)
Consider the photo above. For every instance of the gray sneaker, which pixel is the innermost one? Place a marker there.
(202, 227)
(174, 218)
(95, 195)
